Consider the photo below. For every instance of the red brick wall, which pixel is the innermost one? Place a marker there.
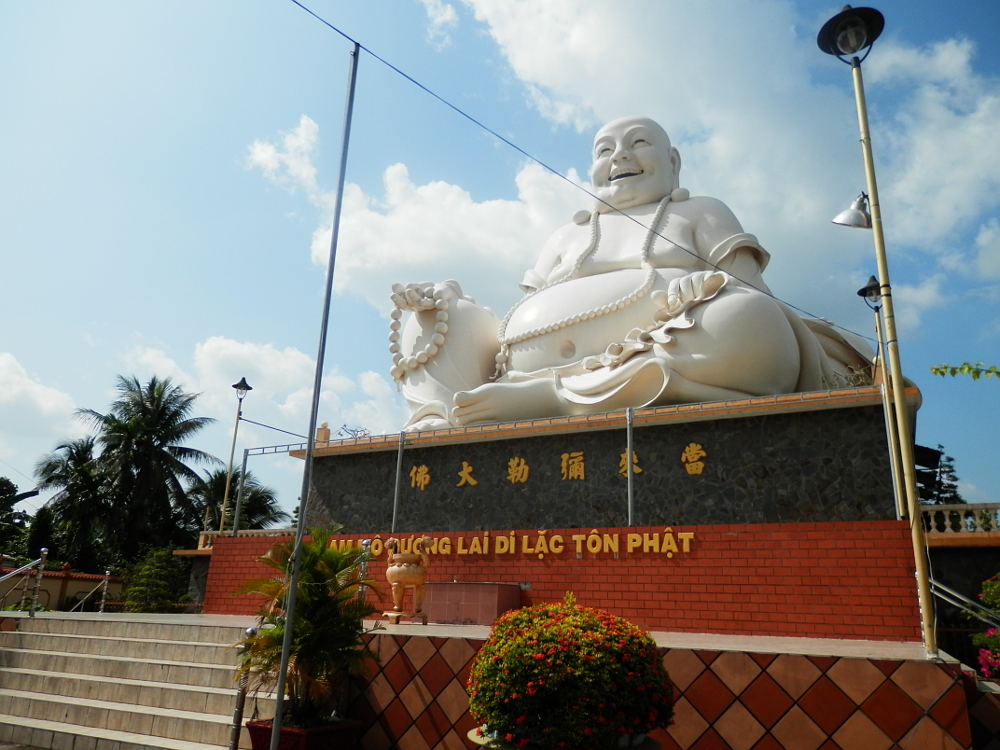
(825, 580)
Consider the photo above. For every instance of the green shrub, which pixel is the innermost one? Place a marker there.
(561, 676)
(157, 582)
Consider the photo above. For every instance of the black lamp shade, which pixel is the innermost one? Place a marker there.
(850, 31)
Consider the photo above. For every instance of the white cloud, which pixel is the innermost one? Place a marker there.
(34, 417)
(30, 408)
(419, 232)
(282, 387)
(943, 157)
(912, 301)
(754, 130)
(441, 17)
(988, 250)
(290, 164)
(973, 494)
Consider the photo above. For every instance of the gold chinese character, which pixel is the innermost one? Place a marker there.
(466, 476)
(623, 467)
(517, 471)
(420, 477)
(572, 466)
(690, 458)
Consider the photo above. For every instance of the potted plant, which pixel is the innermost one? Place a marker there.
(560, 676)
(327, 646)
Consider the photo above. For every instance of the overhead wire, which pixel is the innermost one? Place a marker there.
(458, 110)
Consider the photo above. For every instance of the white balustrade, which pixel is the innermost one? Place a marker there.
(961, 519)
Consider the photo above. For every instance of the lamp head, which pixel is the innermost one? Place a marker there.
(850, 31)
(241, 388)
(872, 292)
(856, 216)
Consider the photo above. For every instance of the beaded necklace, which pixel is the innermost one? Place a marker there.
(595, 239)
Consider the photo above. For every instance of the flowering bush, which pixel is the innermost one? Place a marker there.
(989, 652)
(989, 642)
(562, 676)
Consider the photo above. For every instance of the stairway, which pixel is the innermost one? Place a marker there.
(119, 682)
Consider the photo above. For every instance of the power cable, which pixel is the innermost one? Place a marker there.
(458, 110)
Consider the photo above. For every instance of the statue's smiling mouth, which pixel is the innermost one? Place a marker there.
(625, 173)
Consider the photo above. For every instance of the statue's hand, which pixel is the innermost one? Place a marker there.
(689, 290)
(416, 297)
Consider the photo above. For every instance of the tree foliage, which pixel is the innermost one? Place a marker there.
(157, 582)
(145, 462)
(12, 522)
(939, 485)
(82, 508)
(975, 371)
(125, 487)
(259, 510)
(327, 630)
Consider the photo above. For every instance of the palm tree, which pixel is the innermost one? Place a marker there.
(259, 509)
(81, 508)
(145, 462)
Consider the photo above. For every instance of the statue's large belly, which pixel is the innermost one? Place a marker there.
(591, 295)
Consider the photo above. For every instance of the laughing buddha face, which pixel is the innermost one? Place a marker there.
(634, 163)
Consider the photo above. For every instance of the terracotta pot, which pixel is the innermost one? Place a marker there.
(340, 736)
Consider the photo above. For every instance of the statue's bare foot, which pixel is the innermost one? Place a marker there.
(506, 402)
(429, 423)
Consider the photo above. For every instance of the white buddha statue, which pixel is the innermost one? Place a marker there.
(651, 298)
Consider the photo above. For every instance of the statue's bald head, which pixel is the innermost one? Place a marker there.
(634, 163)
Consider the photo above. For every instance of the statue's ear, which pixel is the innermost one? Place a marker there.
(675, 160)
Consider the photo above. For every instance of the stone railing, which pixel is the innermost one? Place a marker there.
(206, 539)
(961, 519)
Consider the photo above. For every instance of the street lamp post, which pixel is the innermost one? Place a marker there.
(848, 33)
(242, 388)
(872, 296)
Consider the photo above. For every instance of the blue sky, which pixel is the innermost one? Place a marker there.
(166, 174)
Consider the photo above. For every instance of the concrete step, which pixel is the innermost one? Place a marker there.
(166, 723)
(112, 626)
(56, 735)
(120, 682)
(141, 692)
(155, 670)
(138, 648)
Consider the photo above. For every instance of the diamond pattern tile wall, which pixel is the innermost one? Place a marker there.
(415, 699)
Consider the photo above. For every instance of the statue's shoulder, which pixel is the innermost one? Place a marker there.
(697, 205)
(708, 214)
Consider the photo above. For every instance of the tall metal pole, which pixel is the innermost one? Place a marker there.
(628, 461)
(897, 385)
(899, 490)
(399, 479)
(239, 492)
(229, 474)
(313, 416)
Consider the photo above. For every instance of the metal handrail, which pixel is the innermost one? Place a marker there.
(40, 562)
(20, 570)
(103, 584)
(981, 613)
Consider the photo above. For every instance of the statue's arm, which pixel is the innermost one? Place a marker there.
(721, 241)
(551, 256)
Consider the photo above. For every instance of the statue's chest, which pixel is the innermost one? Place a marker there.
(623, 242)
